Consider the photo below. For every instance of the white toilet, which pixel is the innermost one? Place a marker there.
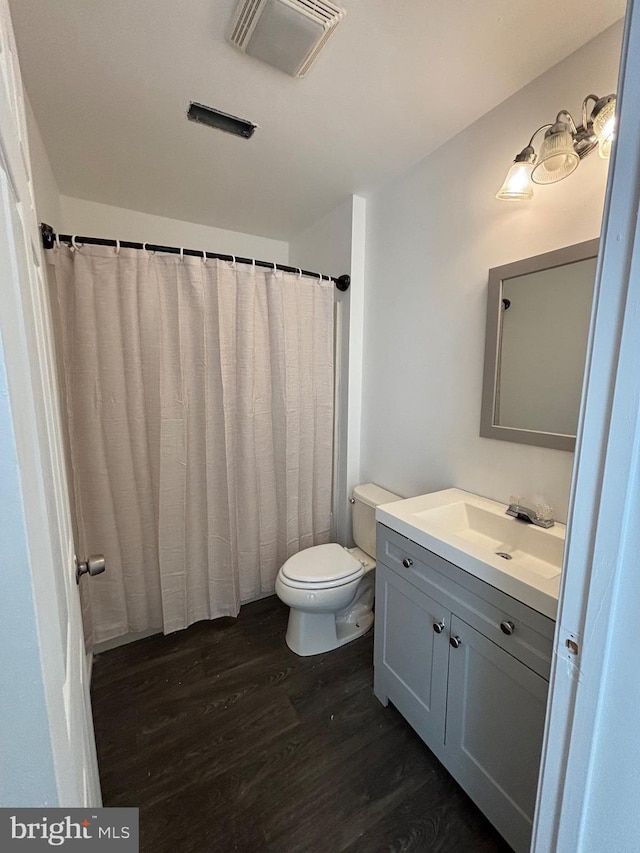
(329, 588)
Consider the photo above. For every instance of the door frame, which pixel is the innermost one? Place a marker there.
(594, 695)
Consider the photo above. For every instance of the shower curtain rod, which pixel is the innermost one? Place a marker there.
(48, 235)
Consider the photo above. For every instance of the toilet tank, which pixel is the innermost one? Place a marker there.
(366, 499)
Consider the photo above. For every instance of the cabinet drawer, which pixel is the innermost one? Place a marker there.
(412, 562)
(485, 608)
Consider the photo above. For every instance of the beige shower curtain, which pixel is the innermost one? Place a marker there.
(199, 404)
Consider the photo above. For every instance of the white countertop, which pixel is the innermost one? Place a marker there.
(468, 530)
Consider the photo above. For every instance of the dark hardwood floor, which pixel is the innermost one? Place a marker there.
(227, 741)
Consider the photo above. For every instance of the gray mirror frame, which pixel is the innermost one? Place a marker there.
(488, 429)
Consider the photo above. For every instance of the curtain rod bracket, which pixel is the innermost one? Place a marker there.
(48, 236)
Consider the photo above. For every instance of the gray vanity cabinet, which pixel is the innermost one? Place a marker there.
(474, 693)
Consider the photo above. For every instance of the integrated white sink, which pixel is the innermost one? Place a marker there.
(535, 549)
(473, 532)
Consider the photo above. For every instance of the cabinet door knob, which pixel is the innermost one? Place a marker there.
(438, 627)
(456, 642)
(507, 627)
(407, 562)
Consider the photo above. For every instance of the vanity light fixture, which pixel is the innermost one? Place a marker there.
(563, 146)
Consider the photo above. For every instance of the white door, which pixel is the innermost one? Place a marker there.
(25, 340)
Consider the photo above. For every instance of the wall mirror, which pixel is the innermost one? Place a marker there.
(538, 314)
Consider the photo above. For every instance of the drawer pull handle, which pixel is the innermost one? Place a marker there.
(438, 627)
(507, 627)
(456, 642)
(407, 562)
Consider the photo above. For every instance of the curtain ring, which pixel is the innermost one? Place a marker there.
(182, 254)
(299, 273)
(274, 267)
(204, 258)
(144, 249)
(117, 247)
(57, 239)
(233, 261)
(74, 245)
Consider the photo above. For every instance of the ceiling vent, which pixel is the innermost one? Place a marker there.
(288, 34)
(222, 121)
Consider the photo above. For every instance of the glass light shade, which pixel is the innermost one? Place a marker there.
(604, 148)
(557, 158)
(517, 185)
(604, 127)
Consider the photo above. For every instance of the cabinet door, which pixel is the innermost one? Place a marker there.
(494, 725)
(410, 657)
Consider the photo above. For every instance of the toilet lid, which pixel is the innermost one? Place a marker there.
(322, 564)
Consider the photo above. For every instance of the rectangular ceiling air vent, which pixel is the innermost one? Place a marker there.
(222, 121)
(288, 34)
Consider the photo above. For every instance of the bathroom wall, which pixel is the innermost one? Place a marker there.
(336, 245)
(93, 219)
(432, 236)
(45, 187)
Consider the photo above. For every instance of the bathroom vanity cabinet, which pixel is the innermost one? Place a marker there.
(468, 667)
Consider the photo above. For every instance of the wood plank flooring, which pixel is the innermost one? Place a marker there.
(227, 741)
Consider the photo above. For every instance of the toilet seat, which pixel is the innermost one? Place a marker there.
(321, 567)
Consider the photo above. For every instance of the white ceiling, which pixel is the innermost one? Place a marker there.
(110, 81)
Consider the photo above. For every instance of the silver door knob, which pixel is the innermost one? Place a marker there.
(456, 642)
(95, 565)
(438, 627)
(407, 562)
(507, 627)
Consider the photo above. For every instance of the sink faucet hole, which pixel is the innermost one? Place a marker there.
(504, 555)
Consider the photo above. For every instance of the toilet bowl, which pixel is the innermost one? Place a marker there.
(329, 588)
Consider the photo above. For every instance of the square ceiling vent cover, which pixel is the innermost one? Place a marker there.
(288, 34)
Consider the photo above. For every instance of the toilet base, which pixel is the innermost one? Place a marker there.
(314, 633)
